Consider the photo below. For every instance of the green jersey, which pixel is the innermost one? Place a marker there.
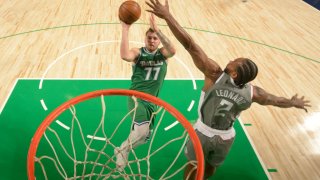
(149, 72)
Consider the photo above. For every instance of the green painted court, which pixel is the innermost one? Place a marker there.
(28, 105)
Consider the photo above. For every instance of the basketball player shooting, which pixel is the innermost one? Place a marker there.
(149, 67)
(225, 94)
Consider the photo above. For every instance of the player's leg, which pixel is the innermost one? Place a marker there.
(138, 136)
(209, 170)
(191, 169)
(219, 149)
(190, 172)
(215, 150)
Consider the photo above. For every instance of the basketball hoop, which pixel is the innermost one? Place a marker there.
(32, 158)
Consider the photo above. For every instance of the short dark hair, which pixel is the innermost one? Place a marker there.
(246, 72)
(150, 30)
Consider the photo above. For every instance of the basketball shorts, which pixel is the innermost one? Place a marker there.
(215, 149)
(144, 111)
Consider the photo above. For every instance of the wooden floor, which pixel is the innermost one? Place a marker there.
(282, 37)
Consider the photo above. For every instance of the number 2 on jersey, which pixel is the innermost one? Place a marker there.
(223, 107)
(149, 70)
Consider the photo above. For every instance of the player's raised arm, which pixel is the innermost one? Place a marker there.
(262, 97)
(209, 67)
(168, 49)
(126, 53)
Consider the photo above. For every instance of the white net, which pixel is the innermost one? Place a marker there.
(81, 144)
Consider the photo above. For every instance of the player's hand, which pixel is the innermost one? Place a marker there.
(153, 24)
(300, 103)
(124, 25)
(162, 11)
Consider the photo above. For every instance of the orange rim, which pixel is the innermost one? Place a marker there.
(50, 118)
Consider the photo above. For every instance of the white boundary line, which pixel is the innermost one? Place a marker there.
(96, 138)
(43, 104)
(68, 52)
(63, 125)
(8, 96)
(255, 150)
(102, 42)
(189, 72)
(191, 105)
(171, 126)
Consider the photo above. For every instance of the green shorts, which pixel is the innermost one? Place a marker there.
(215, 149)
(144, 111)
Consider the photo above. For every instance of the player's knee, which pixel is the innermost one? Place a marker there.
(144, 134)
(209, 170)
(141, 133)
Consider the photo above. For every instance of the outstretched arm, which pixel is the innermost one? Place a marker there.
(262, 97)
(209, 67)
(168, 49)
(126, 53)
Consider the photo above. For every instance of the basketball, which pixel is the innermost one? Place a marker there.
(129, 12)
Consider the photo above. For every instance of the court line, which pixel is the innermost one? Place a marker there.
(255, 149)
(43, 104)
(189, 28)
(63, 125)
(8, 96)
(171, 126)
(176, 122)
(255, 42)
(191, 105)
(110, 41)
(189, 72)
(68, 52)
(96, 138)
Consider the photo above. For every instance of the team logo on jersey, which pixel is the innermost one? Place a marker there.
(151, 63)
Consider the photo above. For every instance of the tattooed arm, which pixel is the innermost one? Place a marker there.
(262, 97)
(168, 49)
(210, 68)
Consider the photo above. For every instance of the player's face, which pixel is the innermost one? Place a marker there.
(152, 41)
(232, 67)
